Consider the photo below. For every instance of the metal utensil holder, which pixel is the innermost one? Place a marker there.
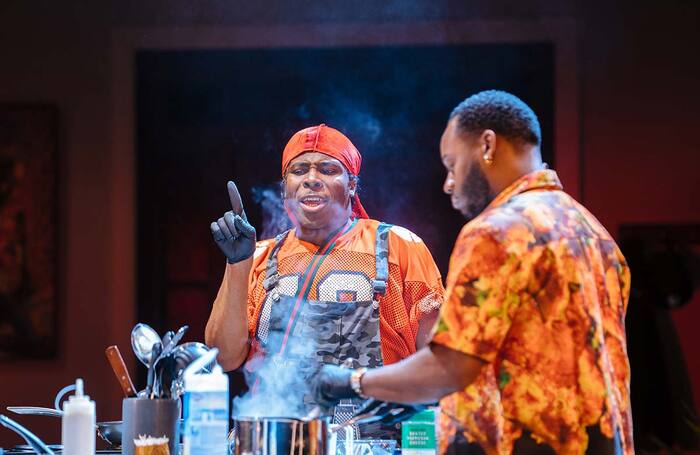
(157, 418)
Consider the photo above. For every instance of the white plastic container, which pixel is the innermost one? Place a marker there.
(78, 423)
(205, 410)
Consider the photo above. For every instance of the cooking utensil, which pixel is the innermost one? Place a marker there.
(187, 353)
(111, 432)
(178, 336)
(280, 435)
(120, 371)
(166, 375)
(375, 411)
(167, 339)
(155, 354)
(367, 417)
(170, 341)
(157, 390)
(143, 339)
(201, 363)
(184, 355)
(36, 443)
(35, 410)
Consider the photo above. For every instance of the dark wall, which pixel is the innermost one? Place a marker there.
(640, 109)
(638, 92)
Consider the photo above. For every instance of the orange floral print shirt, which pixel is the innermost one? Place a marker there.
(538, 289)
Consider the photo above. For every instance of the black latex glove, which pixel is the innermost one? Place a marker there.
(332, 384)
(232, 232)
(388, 413)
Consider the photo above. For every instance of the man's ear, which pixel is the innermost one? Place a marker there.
(352, 185)
(488, 141)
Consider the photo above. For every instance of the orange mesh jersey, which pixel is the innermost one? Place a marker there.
(414, 287)
(538, 289)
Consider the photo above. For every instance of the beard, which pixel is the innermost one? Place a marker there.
(477, 193)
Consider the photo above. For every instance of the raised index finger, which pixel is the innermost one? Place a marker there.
(235, 198)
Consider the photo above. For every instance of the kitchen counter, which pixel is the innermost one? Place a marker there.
(23, 450)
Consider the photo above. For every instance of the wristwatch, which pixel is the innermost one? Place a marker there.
(356, 381)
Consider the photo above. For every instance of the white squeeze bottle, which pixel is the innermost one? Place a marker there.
(78, 423)
(205, 409)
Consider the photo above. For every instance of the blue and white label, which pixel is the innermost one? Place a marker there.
(206, 423)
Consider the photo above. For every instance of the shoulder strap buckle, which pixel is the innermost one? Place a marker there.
(381, 253)
(379, 287)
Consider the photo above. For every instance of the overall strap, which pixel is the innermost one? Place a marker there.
(381, 254)
(271, 275)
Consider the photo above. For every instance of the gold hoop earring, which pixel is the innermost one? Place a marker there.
(488, 159)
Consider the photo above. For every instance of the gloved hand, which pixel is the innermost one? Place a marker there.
(332, 384)
(232, 232)
(387, 413)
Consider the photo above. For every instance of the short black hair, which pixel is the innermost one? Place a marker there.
(500, 111)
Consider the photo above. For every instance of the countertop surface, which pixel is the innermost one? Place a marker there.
(23, 449)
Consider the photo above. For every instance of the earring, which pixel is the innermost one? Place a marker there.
(488, 159)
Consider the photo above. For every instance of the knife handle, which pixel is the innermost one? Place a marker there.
(120, 371)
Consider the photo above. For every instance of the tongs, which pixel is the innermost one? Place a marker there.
(368, 413)
(380, 411)
(366, 417)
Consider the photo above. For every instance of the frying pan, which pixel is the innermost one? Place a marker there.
(111, 432)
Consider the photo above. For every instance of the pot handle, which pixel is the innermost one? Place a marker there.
(35, 410)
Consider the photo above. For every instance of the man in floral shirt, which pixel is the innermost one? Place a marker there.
(529, 354)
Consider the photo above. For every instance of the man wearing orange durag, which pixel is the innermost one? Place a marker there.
(337, 286)
(529, 354)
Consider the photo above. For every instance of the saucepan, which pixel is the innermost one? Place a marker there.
(279, 435)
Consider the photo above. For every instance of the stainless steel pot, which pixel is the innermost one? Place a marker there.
(280, 436)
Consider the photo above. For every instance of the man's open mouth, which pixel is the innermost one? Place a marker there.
(312, 201)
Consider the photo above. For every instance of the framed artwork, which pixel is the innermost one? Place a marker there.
(28, 307)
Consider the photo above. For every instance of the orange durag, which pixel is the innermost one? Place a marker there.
(331, 142)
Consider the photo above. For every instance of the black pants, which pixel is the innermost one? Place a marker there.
(598, 444)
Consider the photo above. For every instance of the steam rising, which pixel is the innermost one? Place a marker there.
(275, 219)
(352, 116)
(280, 386)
